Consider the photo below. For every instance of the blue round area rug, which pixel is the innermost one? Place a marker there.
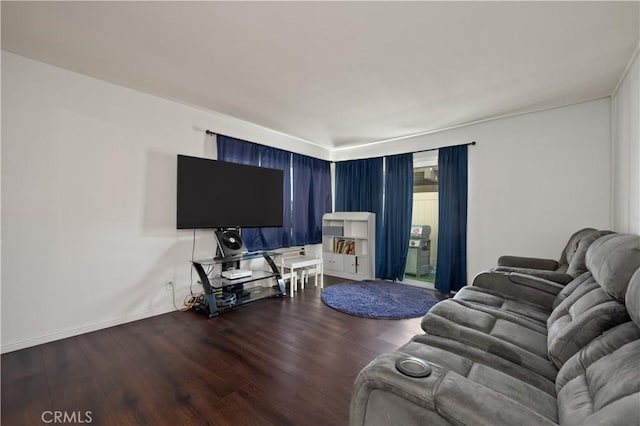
(378, 299)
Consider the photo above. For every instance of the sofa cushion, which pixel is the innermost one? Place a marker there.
(613, 259)
(633, 298)
(571, 287)
(581, 317)
(578, 261)
(515, 339)
(480, 297)
(422, 346)
(602, 381)
(572, 246)
(608, 342)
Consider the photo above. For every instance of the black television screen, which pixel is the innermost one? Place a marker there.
(218, 194)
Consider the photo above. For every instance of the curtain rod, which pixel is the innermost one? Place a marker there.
(414, 152)
(440, 147)
(210, 133)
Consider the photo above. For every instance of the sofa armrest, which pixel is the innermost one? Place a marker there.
(383, 396)
(547, 286)
(528, 262)
(527, 288)
(556, 277)
(405, 400)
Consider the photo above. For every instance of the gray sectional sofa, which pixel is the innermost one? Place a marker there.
(512, 358)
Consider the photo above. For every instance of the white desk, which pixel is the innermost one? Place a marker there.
(301, 262)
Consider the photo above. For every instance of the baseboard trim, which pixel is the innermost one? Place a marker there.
(416, 283)
(27, 343)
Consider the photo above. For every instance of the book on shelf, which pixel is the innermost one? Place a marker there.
(344, 246)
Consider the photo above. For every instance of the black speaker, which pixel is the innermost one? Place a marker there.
(230, 242)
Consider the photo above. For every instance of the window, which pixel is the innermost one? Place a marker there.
(306, 197)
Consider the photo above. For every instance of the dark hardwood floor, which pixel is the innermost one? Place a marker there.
(277, 361)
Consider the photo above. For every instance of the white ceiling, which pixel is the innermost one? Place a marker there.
(340, 73)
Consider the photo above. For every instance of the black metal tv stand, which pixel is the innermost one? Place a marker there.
(246, 290)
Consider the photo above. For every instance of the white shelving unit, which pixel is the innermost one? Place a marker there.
(349, 245)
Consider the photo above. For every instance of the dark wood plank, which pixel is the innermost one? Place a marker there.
(84, 400)
(25, 399)
(274, 362)
(64, 361)
(24, 363)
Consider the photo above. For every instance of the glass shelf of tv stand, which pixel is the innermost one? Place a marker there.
(246, 289)
(249, 295)
(235, 258)
(256, 275)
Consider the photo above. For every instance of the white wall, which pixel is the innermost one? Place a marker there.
(88, 200)
(534, 179)
(626, 151)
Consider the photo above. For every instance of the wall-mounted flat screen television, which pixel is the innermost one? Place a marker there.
(218, 194)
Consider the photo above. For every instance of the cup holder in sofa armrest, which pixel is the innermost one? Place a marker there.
(413, 367)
